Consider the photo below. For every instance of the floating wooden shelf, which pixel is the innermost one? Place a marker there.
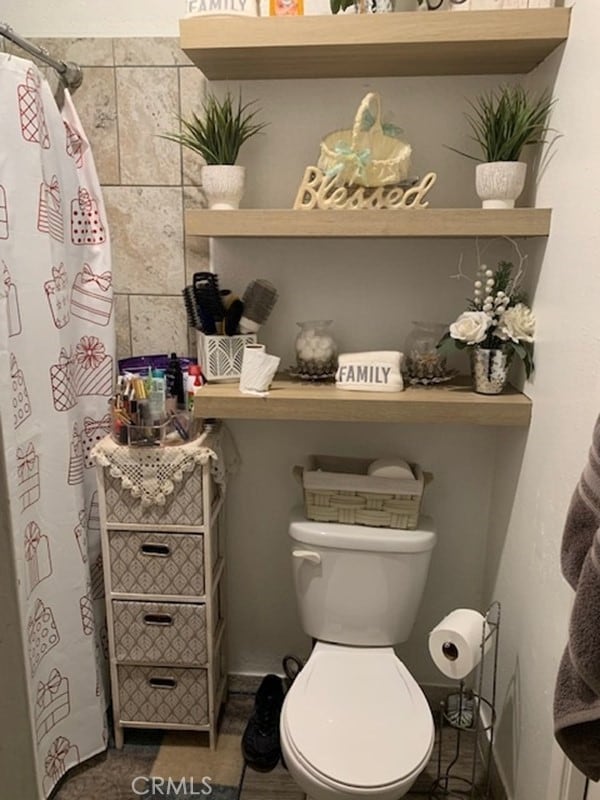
(293, 400)
(435, 43)
(444, 223)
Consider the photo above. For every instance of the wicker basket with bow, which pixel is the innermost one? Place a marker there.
(370, 153)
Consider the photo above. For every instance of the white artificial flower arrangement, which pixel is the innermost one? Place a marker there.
(498, 317)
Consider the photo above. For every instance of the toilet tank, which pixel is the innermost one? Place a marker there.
(359, 585)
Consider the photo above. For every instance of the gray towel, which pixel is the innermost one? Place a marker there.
(577, 693)
(583, 518)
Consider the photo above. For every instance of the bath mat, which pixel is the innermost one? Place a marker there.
(187, 756)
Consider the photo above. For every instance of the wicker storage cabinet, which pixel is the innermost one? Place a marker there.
(164, 580)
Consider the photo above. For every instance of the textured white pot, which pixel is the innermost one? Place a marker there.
(499, 183)
(223, 185)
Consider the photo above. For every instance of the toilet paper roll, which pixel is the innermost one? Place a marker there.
(455, 642)
(258, 370)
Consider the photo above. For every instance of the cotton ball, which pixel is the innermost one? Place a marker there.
(326, 347)
(308, 351)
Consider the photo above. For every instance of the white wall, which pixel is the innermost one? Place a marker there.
(527, 520)
(87, 18)
(373, 290)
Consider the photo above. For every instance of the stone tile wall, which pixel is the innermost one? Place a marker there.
(133, 90)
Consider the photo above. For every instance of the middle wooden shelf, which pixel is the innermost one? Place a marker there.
(441, 223)
(294, 400)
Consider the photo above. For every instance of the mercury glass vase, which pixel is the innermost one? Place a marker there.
(489, 369)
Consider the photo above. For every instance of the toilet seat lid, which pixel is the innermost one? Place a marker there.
(358, 717)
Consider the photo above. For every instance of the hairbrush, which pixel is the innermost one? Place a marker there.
(191, 309)
(208, 300)
(234, 308)
(259, 298)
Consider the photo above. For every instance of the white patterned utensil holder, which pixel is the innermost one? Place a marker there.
(221, 356)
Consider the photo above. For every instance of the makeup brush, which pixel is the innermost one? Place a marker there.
(259, 298)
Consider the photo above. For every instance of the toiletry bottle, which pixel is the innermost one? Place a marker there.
(157, 396)
(193, 382)
(174, 378)
(286, 8)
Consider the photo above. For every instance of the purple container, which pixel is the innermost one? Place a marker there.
(141, 364)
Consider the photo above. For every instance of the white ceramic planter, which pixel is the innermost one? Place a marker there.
(499, 183)
(223, 185)
(405, 5)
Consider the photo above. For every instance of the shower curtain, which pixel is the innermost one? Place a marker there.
(56, 373)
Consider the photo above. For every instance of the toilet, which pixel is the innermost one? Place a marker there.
(355, 723)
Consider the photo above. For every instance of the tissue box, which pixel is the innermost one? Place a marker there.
(221, 356)
(341, 490)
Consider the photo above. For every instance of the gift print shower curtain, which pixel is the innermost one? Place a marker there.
(56, 375)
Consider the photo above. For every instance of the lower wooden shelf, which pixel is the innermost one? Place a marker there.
(293, 400)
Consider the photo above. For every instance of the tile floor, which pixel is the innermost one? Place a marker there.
(109, 775)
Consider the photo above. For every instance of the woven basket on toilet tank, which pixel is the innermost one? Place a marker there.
(341, 490)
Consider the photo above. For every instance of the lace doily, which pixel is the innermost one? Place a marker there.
(151, 473)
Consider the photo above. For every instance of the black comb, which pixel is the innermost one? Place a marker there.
(191, 309)
(208, 300)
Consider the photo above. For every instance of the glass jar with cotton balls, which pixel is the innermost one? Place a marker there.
(316, 350)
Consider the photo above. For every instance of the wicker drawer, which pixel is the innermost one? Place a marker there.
(182, 507)
(163, 695)
(155, 633)
(156, 563)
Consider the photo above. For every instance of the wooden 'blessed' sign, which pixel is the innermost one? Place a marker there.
(319, 190)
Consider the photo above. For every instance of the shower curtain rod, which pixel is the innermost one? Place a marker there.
(70, 73)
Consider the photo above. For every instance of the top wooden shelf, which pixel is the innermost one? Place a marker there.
(345, 46)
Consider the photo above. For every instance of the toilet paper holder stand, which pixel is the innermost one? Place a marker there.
(467, 712)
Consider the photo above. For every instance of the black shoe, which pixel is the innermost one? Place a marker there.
(292, 665)
(260, 743)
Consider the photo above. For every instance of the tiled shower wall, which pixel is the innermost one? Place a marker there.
(133, 90)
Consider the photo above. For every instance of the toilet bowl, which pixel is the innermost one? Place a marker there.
(355, 724)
